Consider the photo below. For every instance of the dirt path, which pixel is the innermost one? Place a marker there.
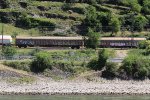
(121, 53)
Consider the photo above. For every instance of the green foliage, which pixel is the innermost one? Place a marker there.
(147, 50)
(101, 61)
(14, 34)
(9, 51)
(144, 44)
(115, 24)
(103, 55)
(35, 51)
(93, 64)
(146, 6)
(67, 6)
(21, 65)
(136, 67)
(41, 62)
(29, 22)
(139, 22)
(91, 20)
(135, 6)
(110, 71)
(93, 39)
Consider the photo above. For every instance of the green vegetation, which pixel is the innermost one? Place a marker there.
(8, 51)
(100, 62)
(56, 63)
(41, 62)
(136, 66)
(93, 39)
(20, 65)
(72, 17)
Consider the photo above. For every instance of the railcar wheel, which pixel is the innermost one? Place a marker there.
(19, 46)
(25, 46)
(72, 47)
(78, 47)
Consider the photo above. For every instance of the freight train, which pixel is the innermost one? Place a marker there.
(76, 42)
(5, 40)
(73, 42)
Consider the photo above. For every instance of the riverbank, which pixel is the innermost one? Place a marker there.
(103, 87)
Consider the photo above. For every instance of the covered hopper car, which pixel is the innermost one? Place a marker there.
(76, 42)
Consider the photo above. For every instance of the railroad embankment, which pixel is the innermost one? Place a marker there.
(104, 87)
(73, 81)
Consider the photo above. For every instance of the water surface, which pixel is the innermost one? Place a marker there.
(69, 97)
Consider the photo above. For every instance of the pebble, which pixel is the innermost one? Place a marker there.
(105, 87)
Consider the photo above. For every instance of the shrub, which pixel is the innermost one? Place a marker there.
(136, 67)
(110, 71)
(93, 64)
(9, 51)
(144, 44)
(103, 55)
(41, 62)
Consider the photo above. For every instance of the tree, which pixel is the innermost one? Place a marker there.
(136, 7)
(91, 20)
(146, 6)
(41, 62)
(139, 22)
(115, 24)
(93, 39)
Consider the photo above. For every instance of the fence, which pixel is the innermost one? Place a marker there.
(16, 57)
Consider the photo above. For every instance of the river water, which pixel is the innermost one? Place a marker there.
(69, 97)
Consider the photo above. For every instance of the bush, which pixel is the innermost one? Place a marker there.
(136, 67)
(9, 51)
(103, 55)
(111, 70)
(41, 62)
(144, 44)
(93, 64)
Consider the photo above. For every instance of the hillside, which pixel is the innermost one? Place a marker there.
(47, 17)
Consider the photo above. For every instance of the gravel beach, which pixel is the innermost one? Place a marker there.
(76, 88)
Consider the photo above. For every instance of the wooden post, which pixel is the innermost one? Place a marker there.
(2, 35)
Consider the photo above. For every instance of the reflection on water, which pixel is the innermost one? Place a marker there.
(69, 97)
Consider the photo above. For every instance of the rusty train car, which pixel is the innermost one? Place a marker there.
(76, 42)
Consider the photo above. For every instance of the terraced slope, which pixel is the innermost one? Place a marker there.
(46, 17)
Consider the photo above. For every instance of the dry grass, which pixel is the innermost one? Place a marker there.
(6, 68)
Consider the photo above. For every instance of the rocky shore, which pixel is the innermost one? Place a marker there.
(104, 87)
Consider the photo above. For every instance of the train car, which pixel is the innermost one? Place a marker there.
(120, 41)
(7, 40)
(73, 42)
(76, 42)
